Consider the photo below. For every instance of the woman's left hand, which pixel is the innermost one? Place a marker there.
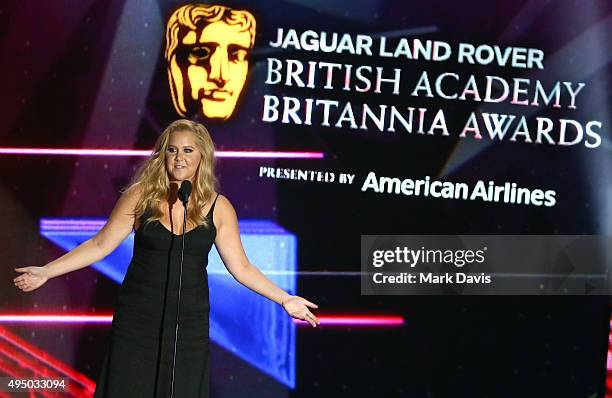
(297, 307)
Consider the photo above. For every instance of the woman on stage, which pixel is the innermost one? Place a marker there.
(149, 355)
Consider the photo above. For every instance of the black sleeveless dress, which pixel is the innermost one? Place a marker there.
(138, 363)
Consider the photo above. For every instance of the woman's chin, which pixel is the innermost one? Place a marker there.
(181, 176)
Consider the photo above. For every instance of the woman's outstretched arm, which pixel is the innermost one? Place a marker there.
(116, 229)
(232, 253)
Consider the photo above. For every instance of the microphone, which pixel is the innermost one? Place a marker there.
(184, 191)
(183, 194)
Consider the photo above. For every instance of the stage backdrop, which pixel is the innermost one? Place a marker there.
(332, 120)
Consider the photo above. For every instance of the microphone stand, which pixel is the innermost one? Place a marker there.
(178, 301)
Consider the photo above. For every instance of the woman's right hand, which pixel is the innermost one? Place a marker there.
(32, 278)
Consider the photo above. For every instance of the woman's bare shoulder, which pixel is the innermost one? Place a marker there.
(133, 191)
(128, 200)
(224, 211)
(223, 202)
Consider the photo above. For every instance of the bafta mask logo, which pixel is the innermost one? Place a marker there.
(206, 57)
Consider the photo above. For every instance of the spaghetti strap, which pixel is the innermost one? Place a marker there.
(212, 208)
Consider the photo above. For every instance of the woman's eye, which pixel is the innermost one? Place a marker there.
(188, 150)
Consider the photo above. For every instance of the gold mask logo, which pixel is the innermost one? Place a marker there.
(206, 57)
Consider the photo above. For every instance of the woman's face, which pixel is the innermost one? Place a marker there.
(182, 156)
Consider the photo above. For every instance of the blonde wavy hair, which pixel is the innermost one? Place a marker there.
(153, 182)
